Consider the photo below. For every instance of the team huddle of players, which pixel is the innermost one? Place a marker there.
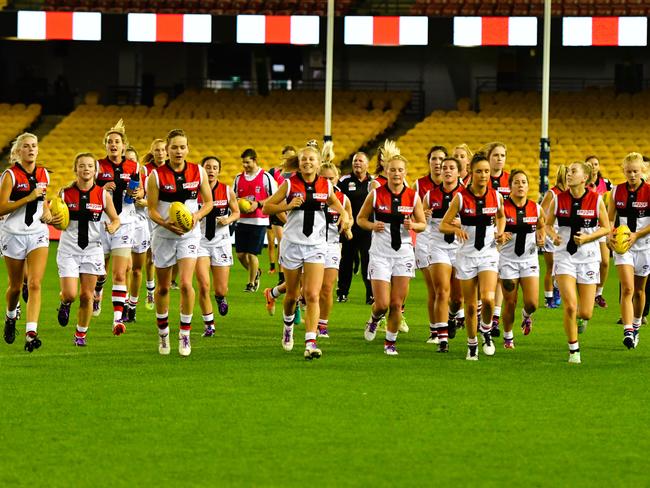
(467, 225)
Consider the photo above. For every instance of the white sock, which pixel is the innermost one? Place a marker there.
(525, 314)
(391, 336)
(508, 335)
(310, 336)
(11, 314)
(548, 294)
(151, 285)
(497, 312)
(31, 327)
(599, 290)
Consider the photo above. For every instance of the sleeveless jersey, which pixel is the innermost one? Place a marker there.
(177, 186)
(467, 180)
(438, 200)
(577, 215)
(477, 218)
(522, 223)
(332, 218)
(256, 188)
(120, 174)
(500, 183)
(26, 219)
(211, 232)
(633, 210)
(392, 209)
(83, 235)
(307, 224)
(382, 180)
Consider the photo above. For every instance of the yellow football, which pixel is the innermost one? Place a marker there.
(244, 205)
(58, 207)
(181, 215)
(621, 239)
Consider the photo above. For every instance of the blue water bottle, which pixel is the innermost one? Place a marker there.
(133, 185)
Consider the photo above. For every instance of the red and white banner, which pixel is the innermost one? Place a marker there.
(278, 29)
(169, 28)
(604, 31)
(386, 31)
(66, 26)
(495, 31)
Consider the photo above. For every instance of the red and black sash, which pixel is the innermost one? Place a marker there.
(520, 221)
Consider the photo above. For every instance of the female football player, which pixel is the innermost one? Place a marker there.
(303, 248)
(518, 263)
(630, 202)
(601, 186)
(480, 208)
(120, 177)
(176, 181)
(80, 257)
(397, 210)
(582, 220)
(25, 237)
(215, 250)
(442, 256)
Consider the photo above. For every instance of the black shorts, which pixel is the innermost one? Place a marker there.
(249, 238)
(276, 221)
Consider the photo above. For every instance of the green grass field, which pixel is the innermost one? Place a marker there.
(241, 411)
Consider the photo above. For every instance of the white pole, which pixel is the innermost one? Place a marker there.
(329, 71)
(544, 141)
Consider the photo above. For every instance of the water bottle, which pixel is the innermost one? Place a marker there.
(134, 182)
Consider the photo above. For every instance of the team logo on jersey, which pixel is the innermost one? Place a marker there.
(352, 187)
(168, 187)
(220, 203)
(106, 175)
(320, 196)
(563, 212)
(490, 210)
(382, 208)
(94, 206)
(22, 186)
(639, 204)
(530, 220)
(191, 185)
(125, 176)
(586, 213)
(405, 209)
(258, 189)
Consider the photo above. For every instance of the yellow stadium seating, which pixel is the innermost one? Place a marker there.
(224, 123)
(596, 121)
(15, 119)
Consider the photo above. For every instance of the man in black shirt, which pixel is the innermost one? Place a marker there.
(356, 187)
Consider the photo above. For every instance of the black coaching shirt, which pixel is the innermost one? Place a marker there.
(356, 190)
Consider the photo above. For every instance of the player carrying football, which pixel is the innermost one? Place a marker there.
(176, 181)
(630, 202)
(80, 257)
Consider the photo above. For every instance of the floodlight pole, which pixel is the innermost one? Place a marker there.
(544, 141)
(329, 71)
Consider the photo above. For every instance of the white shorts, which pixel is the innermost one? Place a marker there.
(294, 256)
(141, 237)
(584, 273)
(512, 270)
(166, 252)
(468, 268)
(640, 260)
(220, 254)
(333, 256)
(122, 239)
(72, 265)
(548, 245)
(442, 256)
(383, 268)
(422, 258)
(19, 246)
